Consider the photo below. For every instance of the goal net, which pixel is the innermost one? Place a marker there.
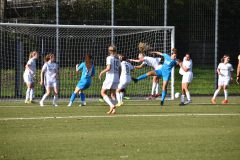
(70, 43)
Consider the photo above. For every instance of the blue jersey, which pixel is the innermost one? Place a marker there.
(168, 63)
(86, 74)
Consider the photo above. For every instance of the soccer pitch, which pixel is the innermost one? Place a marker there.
(139, 130)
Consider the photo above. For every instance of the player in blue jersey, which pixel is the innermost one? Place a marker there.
(88, 72)
(164, 72)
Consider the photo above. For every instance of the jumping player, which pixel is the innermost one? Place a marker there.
(29, 75)
(88, 72)
(49, 77)
(224, 71)
(164, 72)
(187, 76)
(148, 61)
(112, 78)
(125, 79)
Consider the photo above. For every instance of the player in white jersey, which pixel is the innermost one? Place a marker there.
(49, 77)
(152, 62)
(112, 78)
(238, 70)
(29, 75)
(125, 79)
(187, 76)
(224, 71)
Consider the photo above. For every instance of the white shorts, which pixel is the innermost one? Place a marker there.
(187, 77)
(50, 84)
(223, 81)
(109, 84)
(28, 78)
(158, 67)
(123, 85)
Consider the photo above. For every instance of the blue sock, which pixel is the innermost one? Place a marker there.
(164, 93)
(73, 96)
(82, 96)
(142, 77)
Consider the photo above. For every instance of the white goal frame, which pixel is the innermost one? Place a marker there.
(172, 28)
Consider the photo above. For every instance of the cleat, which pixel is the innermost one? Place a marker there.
(111, 110)
(181, 104)
(26, 101)
(41, 103)
(127, 98)
(161, 103)
(135, 80)
(119, 104)
(151, 97)
(187, 102)
(157, 95)
(54, 105)
(213, 101)
(69, 104)
(224, 101)
(82, 104)
(100, 100)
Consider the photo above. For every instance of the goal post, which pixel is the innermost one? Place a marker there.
(18, 39)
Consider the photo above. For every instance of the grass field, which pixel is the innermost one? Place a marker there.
(140, 130)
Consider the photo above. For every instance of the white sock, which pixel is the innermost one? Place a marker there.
(153, 88)
(118, 97)
(188, 96)
(31, 94)
(225, 94)
(55, 99)
(108, 101)
(157, 88)
(121, 96)
(216, 93)
(44, 97)
(182, 98)
(28, 94)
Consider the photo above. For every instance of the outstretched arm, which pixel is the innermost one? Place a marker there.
(135, 60)
(158, 53)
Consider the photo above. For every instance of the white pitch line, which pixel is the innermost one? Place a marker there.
(119, 116)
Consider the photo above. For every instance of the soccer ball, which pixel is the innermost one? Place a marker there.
(177, 95)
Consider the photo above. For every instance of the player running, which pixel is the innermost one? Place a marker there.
(125, 79)
(112, 78)
(149, 61)
(88, 71)
(49, 77)
(187, 76)
(164, 72)
(29, 75)
(224, 71)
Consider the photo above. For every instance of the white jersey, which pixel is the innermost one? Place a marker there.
(113, 74)
(32, 65)
(225, 70)
(152, 62)
(126, 68)
(186, 64)
(50, 71)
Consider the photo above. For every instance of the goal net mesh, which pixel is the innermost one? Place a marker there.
(16, 41)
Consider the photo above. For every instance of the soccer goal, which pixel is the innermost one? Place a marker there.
(70, 43)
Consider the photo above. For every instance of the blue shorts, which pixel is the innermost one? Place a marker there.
(83, 84)
(165, 75)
